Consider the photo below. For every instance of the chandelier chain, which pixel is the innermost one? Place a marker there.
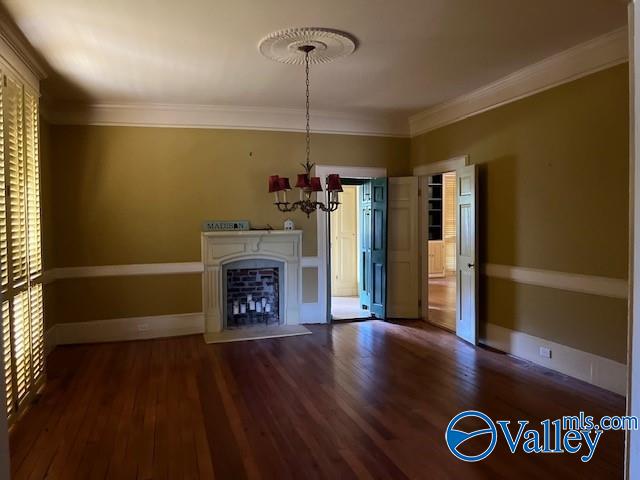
(306, 69)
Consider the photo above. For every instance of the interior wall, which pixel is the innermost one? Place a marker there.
(131, 195)
(553, 196)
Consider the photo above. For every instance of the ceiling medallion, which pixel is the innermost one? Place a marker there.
(304, 46)
(283, 46)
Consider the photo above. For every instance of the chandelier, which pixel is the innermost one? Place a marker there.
(307, 184)
(287, 46)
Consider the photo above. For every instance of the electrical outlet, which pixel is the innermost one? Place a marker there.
(143, 327)
(545, 352)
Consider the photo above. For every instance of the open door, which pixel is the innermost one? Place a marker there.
(403, 256)
(364, 272)
(344, 257)
(467, 251)
(378, 247)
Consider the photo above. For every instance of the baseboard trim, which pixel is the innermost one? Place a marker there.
(123, 329)
(311, 313)
(591, 368)
(573, 282)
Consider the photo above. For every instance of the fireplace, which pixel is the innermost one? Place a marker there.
(251, 293)
(239, 256)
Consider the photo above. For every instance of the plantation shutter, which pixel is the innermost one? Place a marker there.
(32, 184)
(7, 356)
(20, 244)
(4, 259)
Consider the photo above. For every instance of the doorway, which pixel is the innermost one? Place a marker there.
(446, 296)
(358, 246)
(441, 249)
(346, 236)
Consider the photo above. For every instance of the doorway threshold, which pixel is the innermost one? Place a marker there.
(348, 308)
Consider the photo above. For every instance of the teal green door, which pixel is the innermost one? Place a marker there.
(364, 272)
(378, 239)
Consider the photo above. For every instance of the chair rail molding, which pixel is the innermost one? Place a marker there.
(579, 61)
(573, 282)
(122, 270)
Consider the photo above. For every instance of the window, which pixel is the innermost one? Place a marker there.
(20, 243)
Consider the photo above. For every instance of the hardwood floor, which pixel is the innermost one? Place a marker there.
(357, 400)
(442, 302)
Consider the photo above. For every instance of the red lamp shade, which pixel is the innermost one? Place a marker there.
(274, 184)
(283, 183)
(316, 184)
(303, 181)
(333, 183)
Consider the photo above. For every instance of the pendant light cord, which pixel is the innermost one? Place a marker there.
(306, 68)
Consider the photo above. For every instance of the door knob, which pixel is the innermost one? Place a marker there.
(470, 265)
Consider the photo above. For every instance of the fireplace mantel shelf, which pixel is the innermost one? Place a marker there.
(251, 233)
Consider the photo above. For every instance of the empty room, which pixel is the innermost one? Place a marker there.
(352, 239)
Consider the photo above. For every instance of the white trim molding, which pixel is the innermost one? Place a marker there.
(17, 54)
(591, 368)
(224, 117)
(139, 269)
(309, 262)
(584, 59)
(442, 166)
(632, 444)
(321, 218)
(123, 329)
(573, 282)
(123, 270)
(310, 313)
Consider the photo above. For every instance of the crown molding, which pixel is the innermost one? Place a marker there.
(223, 117)
(584, 59)
(17, 54)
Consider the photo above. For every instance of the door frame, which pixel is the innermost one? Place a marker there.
(424, 172)
(632, 444)
(365, 173)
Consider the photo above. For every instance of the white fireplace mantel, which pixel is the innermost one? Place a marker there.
(219, 248)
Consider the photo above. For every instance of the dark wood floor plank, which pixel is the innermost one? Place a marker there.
(365, 400)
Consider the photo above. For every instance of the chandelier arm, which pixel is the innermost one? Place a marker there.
(285, 207)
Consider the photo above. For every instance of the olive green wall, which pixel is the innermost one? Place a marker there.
(46, 192)
(130, 195)
(554, 195)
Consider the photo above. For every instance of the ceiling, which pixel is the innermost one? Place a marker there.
(412, 54)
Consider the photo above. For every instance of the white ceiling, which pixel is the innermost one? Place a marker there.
(412, 54)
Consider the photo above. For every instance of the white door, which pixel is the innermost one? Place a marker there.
(344, 247)
(466, 247)
(403, 262)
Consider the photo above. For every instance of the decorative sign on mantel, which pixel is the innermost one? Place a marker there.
(224, 225)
